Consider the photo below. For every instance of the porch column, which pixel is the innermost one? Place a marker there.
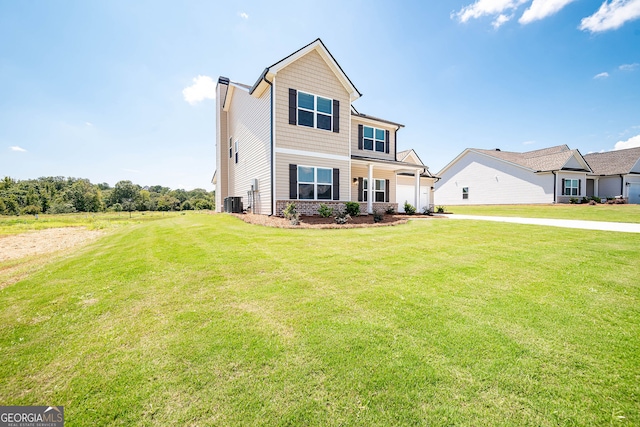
(595, 187)
(370, 190)
(417, 190)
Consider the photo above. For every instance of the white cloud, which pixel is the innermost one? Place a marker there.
(16, 148)
(131, 170)
(541, 9)
(611, 15)
(243, 15)
(88, 124)
(203, 87)
(501, 19)
(528, 143)
(632, 142)
(488, 8)
(629, 67)
(601, 75)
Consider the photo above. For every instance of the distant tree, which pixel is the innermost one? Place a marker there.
(186, 206)
(31, 210)
(202, 204)
(168, 203)
(125, 191)
(117, 207)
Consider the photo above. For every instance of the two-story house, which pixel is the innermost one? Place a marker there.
(294, 136)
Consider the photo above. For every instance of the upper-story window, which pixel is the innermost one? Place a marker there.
(314, 111)
(373, 139)
(236, 151)
(306, 109)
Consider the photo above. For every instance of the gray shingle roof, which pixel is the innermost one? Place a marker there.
(546, 159)
(613, 162)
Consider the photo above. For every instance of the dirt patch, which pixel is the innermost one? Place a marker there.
(317, 221)
(44, 241)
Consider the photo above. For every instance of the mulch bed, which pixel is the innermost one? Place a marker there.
(317, 221)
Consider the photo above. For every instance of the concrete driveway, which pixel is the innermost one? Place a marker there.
(624, 227)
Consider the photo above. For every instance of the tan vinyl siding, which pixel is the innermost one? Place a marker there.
(222, 139)
(368, 153)
(282, 172)
(312, 75)
(249, 124)
(358, 171)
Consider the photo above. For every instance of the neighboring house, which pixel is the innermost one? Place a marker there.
(294, 136)
(476, 176)
(615, 173)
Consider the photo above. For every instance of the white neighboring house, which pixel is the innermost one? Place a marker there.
(615, 173)
(485, 177)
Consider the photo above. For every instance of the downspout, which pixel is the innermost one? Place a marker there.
(621, 186)
(264, 77)
(555, 182)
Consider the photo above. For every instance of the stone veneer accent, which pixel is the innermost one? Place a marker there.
(310, 207)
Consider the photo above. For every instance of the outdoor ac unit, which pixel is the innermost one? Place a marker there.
(254, 184)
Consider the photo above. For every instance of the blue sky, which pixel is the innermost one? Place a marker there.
(112, 90)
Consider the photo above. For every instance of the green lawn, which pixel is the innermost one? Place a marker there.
(613, 213)
(206, 320)
(91, 220)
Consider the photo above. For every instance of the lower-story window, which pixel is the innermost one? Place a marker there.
(379, 190)
(571, 187)
(314, 183)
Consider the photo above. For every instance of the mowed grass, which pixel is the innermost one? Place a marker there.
(601, 212)
(205, 320)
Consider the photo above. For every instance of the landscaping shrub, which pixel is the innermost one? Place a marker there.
(292, 214)
(378, 216)
(342, 217)
(390, 210)
(574, 200)
(440, 209)
(409, 209)
(352, 208)
(325, 211)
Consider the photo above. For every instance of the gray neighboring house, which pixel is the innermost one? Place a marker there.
(615, 173)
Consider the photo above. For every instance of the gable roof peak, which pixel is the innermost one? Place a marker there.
(270, 72)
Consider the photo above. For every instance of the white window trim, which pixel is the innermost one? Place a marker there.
(314, 111)
(374, 139)
(315, 181)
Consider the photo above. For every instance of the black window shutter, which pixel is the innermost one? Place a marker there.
(386, 142)
(360, 133)
(293, 106)
(386, 186)
(336, 184)
(293, 181)
(563, 186)
(336, 116)
(360, 187)
(579, 187)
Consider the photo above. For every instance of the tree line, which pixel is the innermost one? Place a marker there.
(58, 194)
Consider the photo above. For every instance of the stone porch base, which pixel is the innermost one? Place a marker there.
(310, 207)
